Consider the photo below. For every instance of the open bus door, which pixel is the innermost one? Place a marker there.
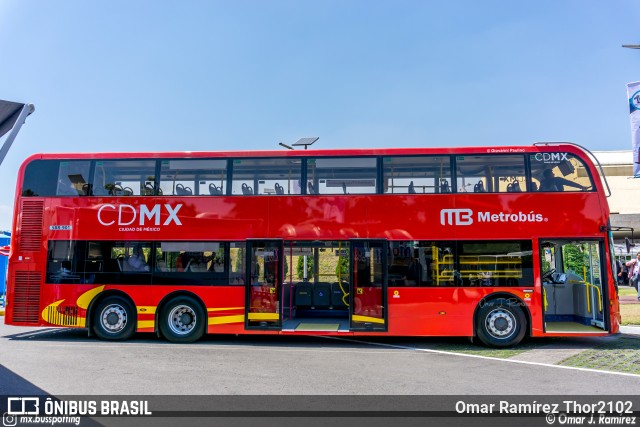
(573, 285)
(264, 271)
(368, 301)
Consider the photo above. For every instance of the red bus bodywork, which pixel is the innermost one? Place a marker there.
(412, 311)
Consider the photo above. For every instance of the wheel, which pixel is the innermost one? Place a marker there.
(501, 323)
(183, 320)
(114, 319)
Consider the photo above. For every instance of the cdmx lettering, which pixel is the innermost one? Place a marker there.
(551, 157)
(128, 214)
(466, 217)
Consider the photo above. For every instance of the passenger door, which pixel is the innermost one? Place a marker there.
(368, 302)
(264, 278)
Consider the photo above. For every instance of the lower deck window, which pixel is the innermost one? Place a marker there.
(461, 263)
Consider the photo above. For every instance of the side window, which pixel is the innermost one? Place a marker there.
(266, 176)
(193, 177)
(490, 174)
(61, 262)
(417, 175)
(335, 175)
(237, 261)
(486, 263)
(559, 172)
(73, 179)
(463, 263)
(122, 262)
(195, 263)
(409, 264)
(57, 178)
(124, 178)
(116, 262)
(40, 178)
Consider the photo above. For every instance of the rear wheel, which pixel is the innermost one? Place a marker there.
(501, 323)
(114, 319)
(183, 320)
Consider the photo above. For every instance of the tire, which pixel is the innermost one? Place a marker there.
(501, 323)
(182, 320)
(114, 319)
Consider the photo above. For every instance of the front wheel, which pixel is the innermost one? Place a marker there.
(183, 320)
(114, 319)
(501, 323)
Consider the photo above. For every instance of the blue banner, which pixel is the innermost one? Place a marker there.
(633, 93)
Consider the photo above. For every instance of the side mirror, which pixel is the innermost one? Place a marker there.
(629, 244)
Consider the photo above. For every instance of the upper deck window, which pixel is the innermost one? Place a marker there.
(559, 172)
(57, 178)
(341, 175)
(73, 178)
(417, 175)
(490, 173)
(266, 176)
(124, 178)
(191, 177)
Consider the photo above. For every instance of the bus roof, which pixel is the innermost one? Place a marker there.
(538, 147)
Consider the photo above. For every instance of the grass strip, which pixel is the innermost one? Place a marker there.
(618, 355)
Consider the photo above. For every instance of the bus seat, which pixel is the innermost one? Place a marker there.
(514, 187)
(412, 189)
(444, 186)
(198, 267)
(303, 293)
(214, 190)
(181, 190)
(279, 189)
(87, 190)
(337, 300)
(479, 187)
(148, 190)
(322, 295)
(120, 261)
(311, 188)
(114, 189)
(247, 190)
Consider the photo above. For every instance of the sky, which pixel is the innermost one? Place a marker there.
(159, 75)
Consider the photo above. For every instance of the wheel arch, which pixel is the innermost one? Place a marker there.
(163, 302)
(506, 295)
(101, 296)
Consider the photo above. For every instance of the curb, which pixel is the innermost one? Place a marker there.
(631, 330)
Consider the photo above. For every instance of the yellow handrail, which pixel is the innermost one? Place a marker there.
(589, 300)
(586, 289)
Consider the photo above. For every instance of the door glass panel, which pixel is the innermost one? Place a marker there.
(573, 286)
(369, 285)
(265, 273)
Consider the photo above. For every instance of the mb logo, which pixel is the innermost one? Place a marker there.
(456, 217)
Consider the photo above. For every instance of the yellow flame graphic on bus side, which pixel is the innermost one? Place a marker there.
(51, 315)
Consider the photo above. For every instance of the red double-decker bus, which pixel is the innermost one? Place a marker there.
(496, 243)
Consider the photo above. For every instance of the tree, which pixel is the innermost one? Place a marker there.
(576, 259)
(342, 269)
(300, 267)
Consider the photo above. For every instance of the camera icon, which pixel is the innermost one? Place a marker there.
(9, 420)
